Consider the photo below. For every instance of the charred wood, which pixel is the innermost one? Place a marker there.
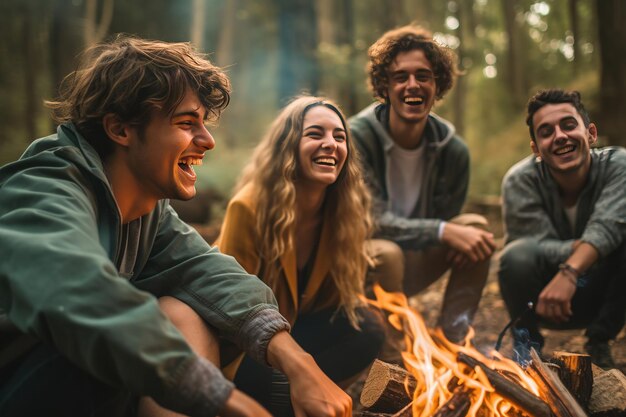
(517, 395)
(575, 373)
(560, 400)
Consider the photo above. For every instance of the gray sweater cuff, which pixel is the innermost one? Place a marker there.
(258, 330)
(202, 390)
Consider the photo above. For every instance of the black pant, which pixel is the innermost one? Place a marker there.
(339, 349)
(599, 303)
(44, 383)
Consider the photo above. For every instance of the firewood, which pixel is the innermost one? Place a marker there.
(608, 398)
(560, 400)
(517, 395)
(385, 389)
(406, 411)
(575, 373)
(456, 406)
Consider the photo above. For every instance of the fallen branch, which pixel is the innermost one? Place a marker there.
(456, 406)
(518, 396)
(561, 401)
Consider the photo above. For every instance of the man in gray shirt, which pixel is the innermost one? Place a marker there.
(565, 217)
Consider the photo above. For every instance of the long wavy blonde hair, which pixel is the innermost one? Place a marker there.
(273, 171)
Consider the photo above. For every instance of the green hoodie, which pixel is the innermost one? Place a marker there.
(73, 276)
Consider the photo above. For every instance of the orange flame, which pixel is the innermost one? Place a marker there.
(431, 359)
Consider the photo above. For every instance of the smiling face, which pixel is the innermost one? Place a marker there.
(161, 156)
(412, 86)
(323, 150)
(561, 138)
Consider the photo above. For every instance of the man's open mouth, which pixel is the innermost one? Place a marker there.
(413, 101)
(564, 150)
(186, 164)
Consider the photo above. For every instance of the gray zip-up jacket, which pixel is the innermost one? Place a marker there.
(445, 179)
(532, 207)
(73, 276)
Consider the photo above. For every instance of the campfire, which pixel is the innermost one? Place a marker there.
(443, 379)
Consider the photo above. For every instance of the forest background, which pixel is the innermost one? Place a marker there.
(274, 49)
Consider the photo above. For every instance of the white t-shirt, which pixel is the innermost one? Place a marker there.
(405, 172)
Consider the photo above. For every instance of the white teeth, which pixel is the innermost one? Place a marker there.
(564, 150)
(325, 161)
(413, 100)
(191, 161)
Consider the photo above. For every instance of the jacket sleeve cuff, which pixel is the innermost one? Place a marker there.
(257, 332)
(202, 390)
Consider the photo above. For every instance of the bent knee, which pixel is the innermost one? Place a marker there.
(472, 219)
(388, 268)
(518, 259)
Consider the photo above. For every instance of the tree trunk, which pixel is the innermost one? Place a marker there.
(197, 23)
(298, 67)
(514, 68)
(575, 28)
(30, 79)
(95, 30)
(611, 37)
(66, 39)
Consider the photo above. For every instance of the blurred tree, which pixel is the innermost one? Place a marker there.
(515, 74)
(197, 24)
(297, 39)
(96, 29)
(612, 38)
(574, 25)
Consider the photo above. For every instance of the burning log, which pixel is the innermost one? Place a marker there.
(406, 411)
(561, 401)
(457, 406)
(518, 396)
(387, 388)
(608, 398)
(575, 373)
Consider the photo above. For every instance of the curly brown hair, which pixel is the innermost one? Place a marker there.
(403, 39)
(130, 77)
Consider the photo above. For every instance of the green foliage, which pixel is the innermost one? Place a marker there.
(493, 113)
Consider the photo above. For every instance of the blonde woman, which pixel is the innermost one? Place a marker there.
(299, 220)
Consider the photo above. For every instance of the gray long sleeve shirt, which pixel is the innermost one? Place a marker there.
(532, 207)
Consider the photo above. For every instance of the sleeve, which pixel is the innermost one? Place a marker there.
(525, 216)
(606, 227)
(58, 284)
(239, 305)
(238, 237)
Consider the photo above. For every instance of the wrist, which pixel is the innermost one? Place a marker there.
(569, 272)
(286, 355)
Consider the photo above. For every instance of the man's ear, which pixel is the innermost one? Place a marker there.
(593, 133)
(534, 148)
(116, 130)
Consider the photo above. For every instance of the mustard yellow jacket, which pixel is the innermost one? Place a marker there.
(238, 238)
